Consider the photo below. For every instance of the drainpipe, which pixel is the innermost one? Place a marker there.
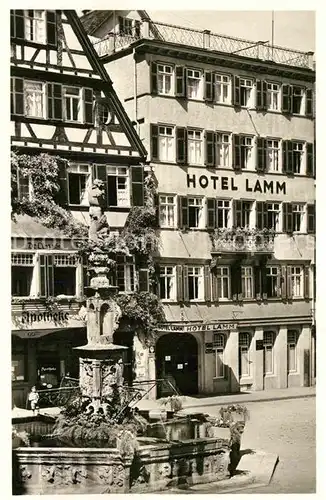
(135, 91)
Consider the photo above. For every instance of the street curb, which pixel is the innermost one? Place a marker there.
(237, 401)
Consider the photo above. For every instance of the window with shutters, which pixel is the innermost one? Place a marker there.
(273, 155)
(273, 96)
(125, 26)
(194, 84)
(64, 274)
(219, 348)
(195, 283)
(243, 157)
(37, 26)
(168, 288)
(223, 215)
(22, 268)
(164, 79)
(223, 282)
(297, 100)
(273, 281)
(223, 89)
(242, 212)
(247, 282)
(297, 157)
(244, 354)
(223, 149)
(292, 340)
(72, 109)
(166, 144)
(125, 274)
(24, 186)
(195, 147)
(191, 215)
(311, 219)
(79, 180)
(268, 341)
(298, 215)
(296, 279)
(273, 216)
(34, 25)
(167, 211)
(34, 99)
(246, 92)
(118, 192)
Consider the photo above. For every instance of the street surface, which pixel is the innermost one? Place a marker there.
(287, 428)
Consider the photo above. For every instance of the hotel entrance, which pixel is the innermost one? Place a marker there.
(177, 362)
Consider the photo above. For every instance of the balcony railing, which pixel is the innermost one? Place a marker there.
(242, 241)
(203, 39)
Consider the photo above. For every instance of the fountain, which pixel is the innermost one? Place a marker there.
(98, 444)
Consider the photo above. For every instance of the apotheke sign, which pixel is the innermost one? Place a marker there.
(191, 328)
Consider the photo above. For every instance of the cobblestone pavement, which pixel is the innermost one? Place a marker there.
(286, 428)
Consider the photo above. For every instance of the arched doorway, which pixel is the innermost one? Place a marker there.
(177, 361)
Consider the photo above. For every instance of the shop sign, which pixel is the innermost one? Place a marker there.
(228, 184)
(21, 243)
(191, 328)
(45, 320)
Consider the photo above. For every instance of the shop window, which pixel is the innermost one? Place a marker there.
(218, 348)
(19, 363)
(268, 341)
(167, 283)
(244, 355)
(292, 340)
(22, 267)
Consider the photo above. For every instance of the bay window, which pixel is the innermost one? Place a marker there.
(167, 209)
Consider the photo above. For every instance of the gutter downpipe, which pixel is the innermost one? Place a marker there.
(135, 91)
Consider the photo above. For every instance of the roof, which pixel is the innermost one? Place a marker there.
(26, 227)
(94, 19)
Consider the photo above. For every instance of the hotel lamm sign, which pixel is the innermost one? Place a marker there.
(230, 184)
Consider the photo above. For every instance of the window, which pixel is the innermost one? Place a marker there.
(72, 104)
(223, 147)
(268, 340)
(195, 147)
(19, 362)
(191, 212)
(246, 91)
(195, 283)
(34, 99)
(273, 155)
(298, 213)
(35, 25)
(218, 347)
(125, 272)
(273, 214)
(292, 340)
(167, 211)
(247, 282)
(164, 79)
(272, 281)
(244, 359)
(311, 219)
(116, 181)
(24, 186)
(223, 282)
(243, 152)
(64, 275)
(273, 96)
(194, 84)
(242, 213)
(79, 180)
(22, 267)
(104, 115)
(166, 150)
(296, 281)
(125, 26)
(223, 213)
(223, 89)
(167, 283)
(297, 157)
(297, 103)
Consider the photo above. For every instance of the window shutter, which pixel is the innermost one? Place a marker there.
(179, 283)
(261, 158)
(51, 28)
(263, 272)
(287, 98)
(207, 283)
(306, 283)
(236, 91)
(210, 156)
(137, 186)
(46, 276)
(289, 292)
(63, 181)
(260, 211)
(309, 102)
(54, 101)
(287, 157)
(236, 152)
(287, 218)
(185, 284)
(235, 280)
(153, 78)
(264, 94)
(154, 142)
(211, 213)
(214, 287)
(120, 20)
(181, 145)
(137, 28)
(311, 215)
(183, 212)
(283, 282)
(143, 281)
(88, 105)
(258, 282)
(209, 86)
(259, 95)
(17, 102)
(236, 210)
(17, 24)
(310, 159)
(180, 82)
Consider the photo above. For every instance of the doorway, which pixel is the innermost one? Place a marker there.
(126, 339)
(177, 361)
